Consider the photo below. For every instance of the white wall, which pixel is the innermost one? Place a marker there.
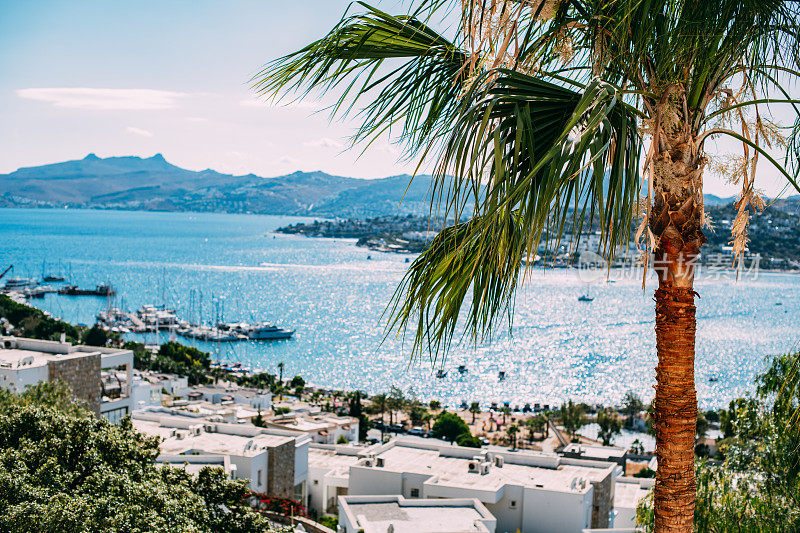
(546, 511)
(18, 379)
(374, 481)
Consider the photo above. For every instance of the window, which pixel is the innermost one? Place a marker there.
(258, 478)
(415, 493)
(512, 504)
(316, 482)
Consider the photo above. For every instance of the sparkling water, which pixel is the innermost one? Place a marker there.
(334, 294)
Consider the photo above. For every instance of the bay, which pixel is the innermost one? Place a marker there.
(334, 294)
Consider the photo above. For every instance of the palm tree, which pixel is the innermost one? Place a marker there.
(380, 404)
(395, 401)
(538, 116)
(512, 431)
(474, 408)
(506, 412)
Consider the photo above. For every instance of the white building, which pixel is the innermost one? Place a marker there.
(100, 377)
(323, 428)
(379, 514)
(629, 491)
(255, 398)
(275, 462)
(530, 492)
(329, 476)
(174, 385)
(235, 413)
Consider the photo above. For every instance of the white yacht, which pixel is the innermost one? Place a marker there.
(265, 331)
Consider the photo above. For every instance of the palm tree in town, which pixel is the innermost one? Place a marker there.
(474, 408)
(541, 118)
(379, 404)
(512, 431)
(506, 412)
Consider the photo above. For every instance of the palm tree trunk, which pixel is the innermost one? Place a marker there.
(675, 410)
(675, 220)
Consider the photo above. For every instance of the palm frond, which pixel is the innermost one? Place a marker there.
(533, 157)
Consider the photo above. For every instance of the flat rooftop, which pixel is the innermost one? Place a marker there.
(208, 443)
(16, 358)
(595, 451)
(410, 519)
(26, 353)
(454, 471)
(338, 463)
(627, 495)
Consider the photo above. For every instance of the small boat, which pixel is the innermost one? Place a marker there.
(441, 374)
(501, 375)
(462, 369)
(713, 379)
(101, 290)
(585, 298)
(264, 331)
(19, 284)
(52, 278)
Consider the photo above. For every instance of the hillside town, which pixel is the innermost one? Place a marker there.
(340, 468)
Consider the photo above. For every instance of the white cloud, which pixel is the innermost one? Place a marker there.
(139, 131)
(324, 142)
(103, 99)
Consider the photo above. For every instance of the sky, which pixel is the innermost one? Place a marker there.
(171, 76)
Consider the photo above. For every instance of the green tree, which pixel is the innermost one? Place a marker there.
(449, 426)
(631, 406)
(66, 470)
(96, 336)
(571, 417)
(547, 136)
(536, 424)
(435, 405)
(610, 425)
(417, 413)
(356, 410)
(33, 323)
(468, 441)
(512, 431)
(474, 408)
(395, 401)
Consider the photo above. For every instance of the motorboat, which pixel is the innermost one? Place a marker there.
(265, 331)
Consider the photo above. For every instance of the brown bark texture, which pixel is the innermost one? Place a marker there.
(675, 221)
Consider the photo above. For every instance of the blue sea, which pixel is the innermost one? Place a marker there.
(334, 294)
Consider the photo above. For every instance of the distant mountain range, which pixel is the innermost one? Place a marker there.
(155, 184)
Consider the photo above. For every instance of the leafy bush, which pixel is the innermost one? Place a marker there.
(62, 469)
(449, 426)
